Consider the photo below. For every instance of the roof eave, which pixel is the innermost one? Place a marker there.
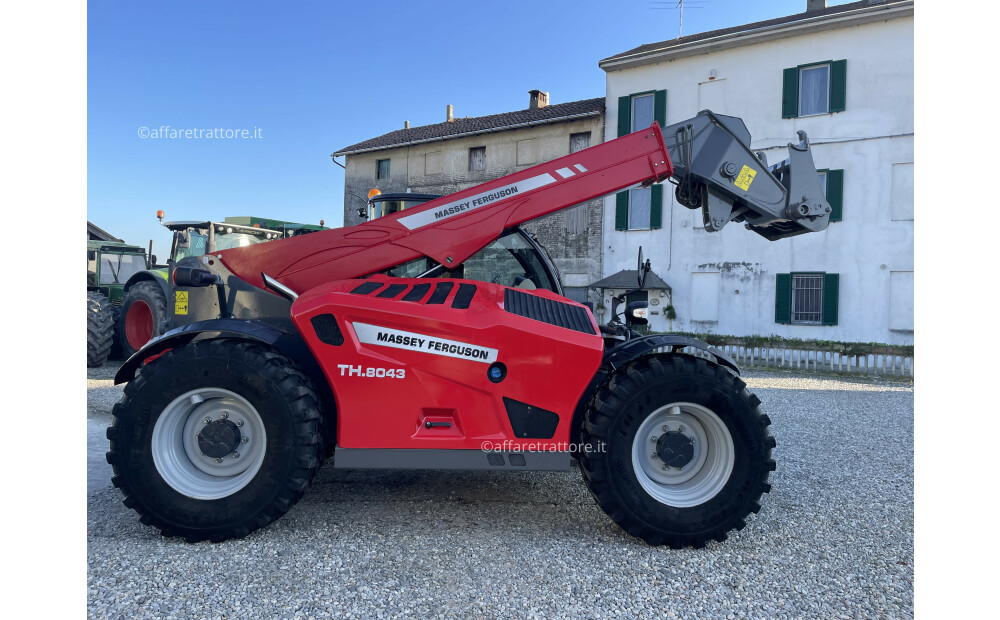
(819, 23)
(546, 121)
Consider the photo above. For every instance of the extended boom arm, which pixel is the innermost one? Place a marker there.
(715, 170)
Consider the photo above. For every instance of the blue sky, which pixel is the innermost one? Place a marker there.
(312, 77)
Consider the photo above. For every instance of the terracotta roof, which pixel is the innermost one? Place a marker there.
(555, 113)
(788, 19)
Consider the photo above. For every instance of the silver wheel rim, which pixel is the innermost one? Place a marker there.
(178, 457)
(704, 476)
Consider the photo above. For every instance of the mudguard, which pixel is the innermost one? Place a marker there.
(150, 275)
(635, 348)
(287, 342)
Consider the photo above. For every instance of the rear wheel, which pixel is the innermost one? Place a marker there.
(216, 439)
(100, 329)
(144, 309)
(680, 451)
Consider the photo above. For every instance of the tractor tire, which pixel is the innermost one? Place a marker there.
(116, 341)
(679, 451)
(143, 312)
(100, 329)
(246, 466)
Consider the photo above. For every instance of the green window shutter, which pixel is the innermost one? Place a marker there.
(621, 211)
(624, 115)
(783, 298)
(790, 93)
(660, 107)
(656, 206)
(838, 85)
(831, 298)
(835, 194)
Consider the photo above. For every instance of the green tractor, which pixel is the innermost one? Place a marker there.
(144, 312)
(110, 264)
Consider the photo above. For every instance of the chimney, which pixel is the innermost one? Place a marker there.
(538, 100)
(451, 113)
(406, 124)
(815, 5)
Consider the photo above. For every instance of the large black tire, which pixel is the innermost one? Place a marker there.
(100, 329)
(680, 452)
(193, 485)
(143, 313)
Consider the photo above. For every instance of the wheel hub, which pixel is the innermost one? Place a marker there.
(675, 449)
(219, 438)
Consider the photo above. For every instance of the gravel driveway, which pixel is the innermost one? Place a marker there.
(834, 538)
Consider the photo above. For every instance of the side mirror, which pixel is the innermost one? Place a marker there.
(637, 313)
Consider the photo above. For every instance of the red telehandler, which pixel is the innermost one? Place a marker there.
(375, 345)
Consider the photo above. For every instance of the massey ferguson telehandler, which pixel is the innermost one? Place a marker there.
(225, 421)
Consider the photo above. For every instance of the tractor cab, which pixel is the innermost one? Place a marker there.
(110, 264)
(199, 238)
(380, 205)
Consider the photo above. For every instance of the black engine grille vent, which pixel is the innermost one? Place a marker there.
(547, 311)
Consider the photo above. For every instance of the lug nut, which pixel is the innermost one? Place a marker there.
(664, 427)
(654, 456)
(236, 455)
(225, 414)
(680, 429)
(664, 466)
(653, 439)
(207, 420)
(239, 422)
(244, 439)
(218, 460)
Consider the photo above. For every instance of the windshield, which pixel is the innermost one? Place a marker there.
(510, 260)
(191, 242)
(118, 268)
(381, 208)
(194, 241)
(225, 241)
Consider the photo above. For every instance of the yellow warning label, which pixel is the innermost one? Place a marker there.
(745, 178)
(180, 302)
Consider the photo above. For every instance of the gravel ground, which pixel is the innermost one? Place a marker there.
(834, 538)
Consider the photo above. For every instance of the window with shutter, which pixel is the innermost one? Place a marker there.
(579, 141)
(832, 183)
(640, 209)
(812, 89)
(807, 298)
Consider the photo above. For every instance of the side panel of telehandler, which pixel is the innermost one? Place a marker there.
(450, 364)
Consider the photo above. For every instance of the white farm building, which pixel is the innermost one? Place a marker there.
(844, 75)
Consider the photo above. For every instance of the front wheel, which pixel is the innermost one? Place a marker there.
(680, 452)
(216, 439)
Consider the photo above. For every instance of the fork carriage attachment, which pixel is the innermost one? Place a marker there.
(716, 171)
(225, 421)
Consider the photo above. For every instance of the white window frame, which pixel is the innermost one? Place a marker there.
(829, 85)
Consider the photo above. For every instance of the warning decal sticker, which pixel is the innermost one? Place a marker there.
(180, 302)
(745, 178)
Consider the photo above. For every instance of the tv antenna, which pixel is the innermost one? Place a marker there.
(679, 6)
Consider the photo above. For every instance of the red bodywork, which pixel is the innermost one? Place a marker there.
(406, 390)
(547, 366)
(473, 218)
